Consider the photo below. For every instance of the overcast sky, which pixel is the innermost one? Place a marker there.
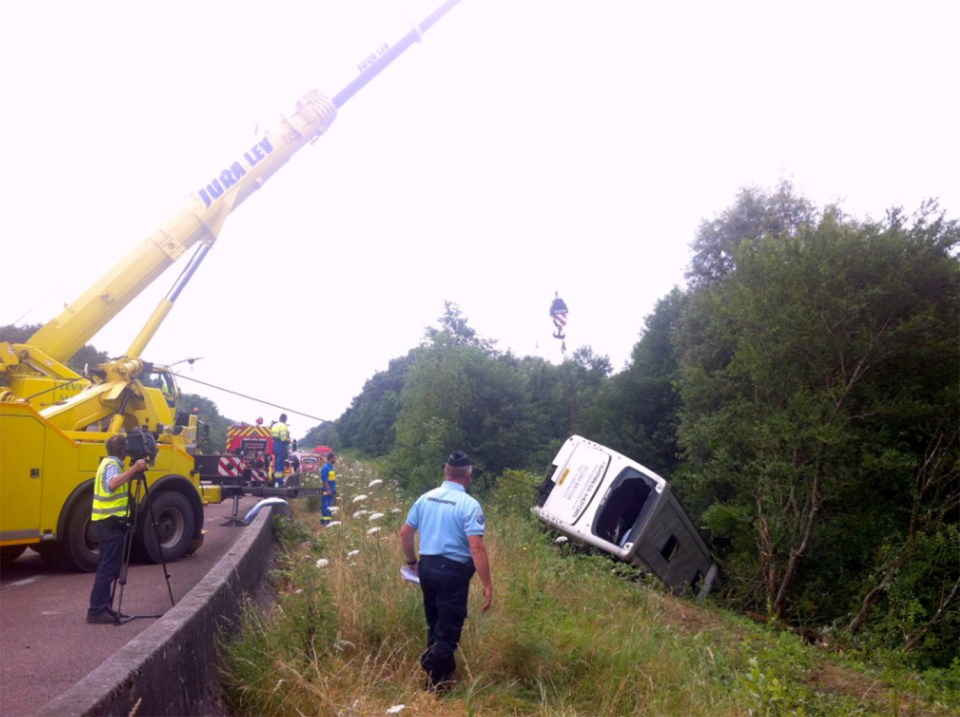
(524, 147)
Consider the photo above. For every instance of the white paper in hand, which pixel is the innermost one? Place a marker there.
(409, 574)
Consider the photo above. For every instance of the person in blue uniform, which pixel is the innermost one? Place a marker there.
(328, 497)
(451, 526)
(281, 446)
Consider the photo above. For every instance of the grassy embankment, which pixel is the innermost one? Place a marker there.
(569, 634)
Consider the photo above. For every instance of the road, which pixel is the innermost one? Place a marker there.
(45, 643)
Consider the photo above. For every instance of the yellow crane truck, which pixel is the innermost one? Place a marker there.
(54, 421)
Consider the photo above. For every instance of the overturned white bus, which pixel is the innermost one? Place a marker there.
(602, 498)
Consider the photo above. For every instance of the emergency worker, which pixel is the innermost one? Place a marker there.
(281, 442)
(451, 526)
(110, 515)
(328, 479)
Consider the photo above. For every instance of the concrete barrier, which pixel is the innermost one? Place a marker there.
(171, 667)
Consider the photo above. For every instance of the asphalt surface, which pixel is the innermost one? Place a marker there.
(45, 643)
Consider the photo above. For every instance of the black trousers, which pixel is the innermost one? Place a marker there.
(112, 533)
(446, 587)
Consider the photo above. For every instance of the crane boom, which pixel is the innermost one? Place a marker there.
(201, 218)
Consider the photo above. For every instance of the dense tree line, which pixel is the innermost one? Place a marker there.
(800, 394)
(819, 419)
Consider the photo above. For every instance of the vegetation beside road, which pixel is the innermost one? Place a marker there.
(570, 633)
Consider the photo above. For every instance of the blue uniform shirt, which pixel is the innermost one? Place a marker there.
(445, 516)
(328, 474)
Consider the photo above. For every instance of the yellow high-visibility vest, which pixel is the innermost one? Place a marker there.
(280, 432)
(105, 503)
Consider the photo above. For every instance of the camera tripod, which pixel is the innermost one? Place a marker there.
(140, 479)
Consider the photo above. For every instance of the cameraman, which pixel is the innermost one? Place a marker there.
(111, 509)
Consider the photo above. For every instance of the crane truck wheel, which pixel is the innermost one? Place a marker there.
(168, 523)
(81, 548)
(78, 547)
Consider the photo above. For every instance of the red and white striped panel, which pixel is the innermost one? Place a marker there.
(229, 467)
(259, 474)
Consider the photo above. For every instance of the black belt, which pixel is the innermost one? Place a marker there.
(440, 559)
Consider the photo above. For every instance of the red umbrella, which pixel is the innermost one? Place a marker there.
(322, 450)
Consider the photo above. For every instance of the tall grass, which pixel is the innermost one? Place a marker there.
(569, 634)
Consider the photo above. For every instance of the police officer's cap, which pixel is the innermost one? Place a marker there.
(459, 459)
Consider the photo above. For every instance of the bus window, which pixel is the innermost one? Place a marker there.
(670, 548)
(621, 506)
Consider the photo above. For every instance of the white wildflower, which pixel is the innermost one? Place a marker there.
(333, 523)
(561, 540)
(373, 530)
(375, 516)
(395, 510)
(374, 482)
(322, 563)
(352, 553)
(358, 498)
(360, 513)
(396, 709)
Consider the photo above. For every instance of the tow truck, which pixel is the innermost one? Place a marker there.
(601, 498)
(54, 421)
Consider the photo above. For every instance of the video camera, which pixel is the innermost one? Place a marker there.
(141, 444)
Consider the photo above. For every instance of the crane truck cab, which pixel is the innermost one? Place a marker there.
(603, 499)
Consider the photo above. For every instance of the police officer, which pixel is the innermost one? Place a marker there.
(281, 440)
(111, 501)
(451, 526)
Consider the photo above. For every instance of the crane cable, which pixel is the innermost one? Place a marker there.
(251, 398)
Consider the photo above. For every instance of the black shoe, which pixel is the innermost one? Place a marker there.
(108, 617)
(439, 685)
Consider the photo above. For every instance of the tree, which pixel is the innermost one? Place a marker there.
(453, 328)
(435, 395)
(460, 393)
(550, 394)
(754, 215)
(636, 411)
(17, 334)
(216, 432)
(815, 361)
(369, 424)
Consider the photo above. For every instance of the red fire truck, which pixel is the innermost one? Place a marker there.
(248, 458)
